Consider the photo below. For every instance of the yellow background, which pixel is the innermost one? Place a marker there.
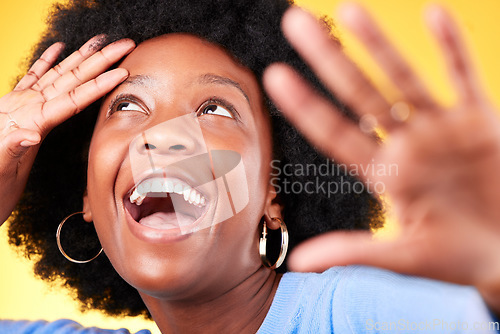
(23, 297)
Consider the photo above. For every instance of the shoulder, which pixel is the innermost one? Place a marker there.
(359, 299)
(302, 301)
(369, 298)
(63, 326)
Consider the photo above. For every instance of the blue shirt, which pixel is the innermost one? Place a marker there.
(358, 299)
(353, 299)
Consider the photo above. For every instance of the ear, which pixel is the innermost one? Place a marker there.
(87, 213)
(273, 208)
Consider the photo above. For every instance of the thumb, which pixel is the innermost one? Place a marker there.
(14, 145)
(345, 248)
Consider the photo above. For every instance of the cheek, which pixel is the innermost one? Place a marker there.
(250, 178)
(105, 159)
(257, 155)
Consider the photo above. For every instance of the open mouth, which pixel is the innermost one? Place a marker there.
(165, 203)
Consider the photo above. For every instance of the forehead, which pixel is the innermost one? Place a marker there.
(182, 56)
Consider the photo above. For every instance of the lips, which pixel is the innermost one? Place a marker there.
(166, 203)
(173, 201)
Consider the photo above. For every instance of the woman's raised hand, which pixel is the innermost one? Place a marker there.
(445, 189)
(44, 98)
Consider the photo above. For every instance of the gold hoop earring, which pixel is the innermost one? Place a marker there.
(283, 249)
(58, 238)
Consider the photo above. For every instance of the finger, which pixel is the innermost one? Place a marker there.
(333, 67)
(14, 145)
(64, 106)
(75, 59)
(316, 118)
(41, 66)
(90, 68)
(457, 57)
(346, 248)
(398, 70)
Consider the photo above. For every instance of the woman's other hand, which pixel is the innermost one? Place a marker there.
(446, 188)
(44, 98)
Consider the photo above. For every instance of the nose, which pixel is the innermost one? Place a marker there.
(163, 147)
(178, 136)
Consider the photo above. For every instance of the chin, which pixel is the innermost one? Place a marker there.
(166, 270)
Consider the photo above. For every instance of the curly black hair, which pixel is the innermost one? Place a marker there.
(247, 29)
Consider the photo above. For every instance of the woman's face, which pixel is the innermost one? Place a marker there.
(184, 100)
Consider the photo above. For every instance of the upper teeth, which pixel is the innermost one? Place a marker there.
(166, 185)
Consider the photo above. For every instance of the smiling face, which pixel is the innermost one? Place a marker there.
(186, 101)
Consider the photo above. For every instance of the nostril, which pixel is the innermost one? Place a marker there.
(177, 147)
(149, 146)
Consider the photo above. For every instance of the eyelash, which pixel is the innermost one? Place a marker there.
(213, 100)
(124, 98)
(221, 102)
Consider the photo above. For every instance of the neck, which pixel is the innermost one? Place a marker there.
(241, 309)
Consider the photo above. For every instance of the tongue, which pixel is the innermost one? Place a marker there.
(166, 220)
(160, 220)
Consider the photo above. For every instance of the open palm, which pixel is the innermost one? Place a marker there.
(44, 98)
(445, 186)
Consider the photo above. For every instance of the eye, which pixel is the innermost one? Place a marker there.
(214, 109)
(127, 106)
(218, 106)
(126, 103)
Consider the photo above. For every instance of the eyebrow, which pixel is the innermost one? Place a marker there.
(217, 79)
(139, 80)
(209, 78)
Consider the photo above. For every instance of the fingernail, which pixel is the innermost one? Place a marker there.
(299, 14)
(28, 143)
(347, 11)
(97, 42)
(124, 73)
(124, 45)
(120, 74)
(434, 16)
(298, 24)
(32, 140)
(355, 18)
(61, 46)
